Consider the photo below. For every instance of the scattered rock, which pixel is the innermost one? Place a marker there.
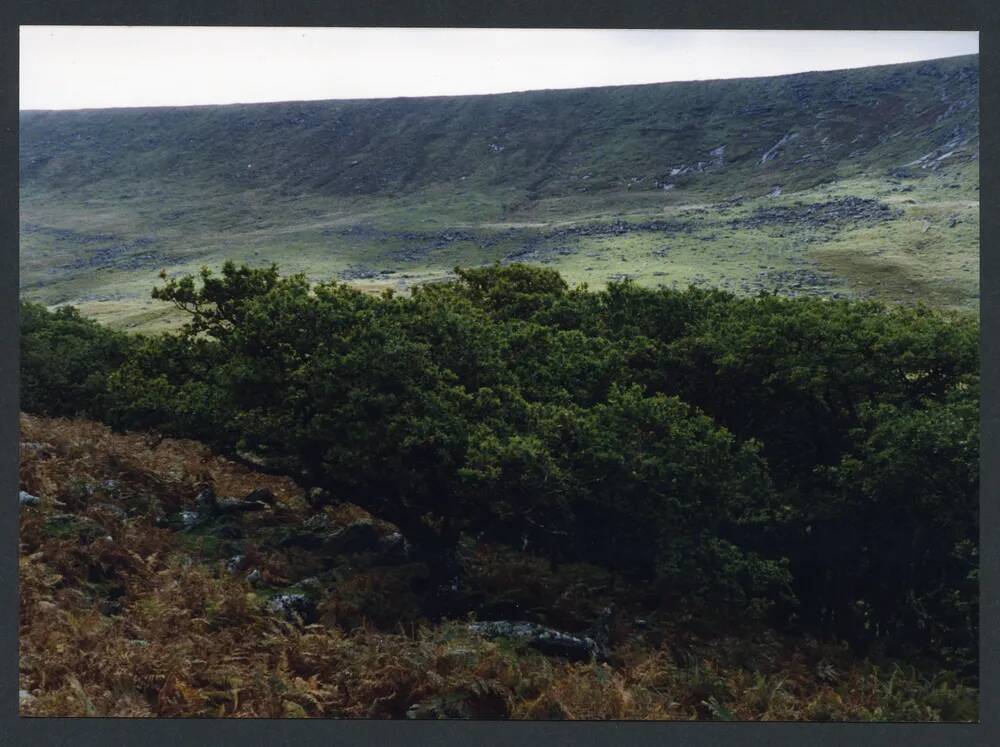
(544, 255)
(817, 215)
(358, 273)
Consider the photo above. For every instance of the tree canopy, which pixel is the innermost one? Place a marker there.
(815, 460)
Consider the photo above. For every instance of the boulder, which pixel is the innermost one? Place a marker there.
(546, 640)
(318, 497)
(303, 540)
(27, 499)
(293, 607)
(205, 497)
(309, 535)
(237, 505)
(393, 547)
(260, 495)
(236, 564)
(357, 537)
(462, 703)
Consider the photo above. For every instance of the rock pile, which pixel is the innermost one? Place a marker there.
(816, 215)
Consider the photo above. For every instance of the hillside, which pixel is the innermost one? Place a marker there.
(859, 182)
(137, 602)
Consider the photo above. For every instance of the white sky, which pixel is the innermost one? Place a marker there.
(70, 67)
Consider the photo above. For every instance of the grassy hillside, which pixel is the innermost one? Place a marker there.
(859, 182)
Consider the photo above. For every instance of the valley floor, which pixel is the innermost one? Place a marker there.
(903, 239)
(138, 601)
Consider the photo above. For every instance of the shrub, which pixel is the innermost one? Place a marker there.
(65, 361)
(813, 459)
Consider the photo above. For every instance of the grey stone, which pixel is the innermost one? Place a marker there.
(235, 564)
(27, 499)
(293, 607)
(546, 640)
(312, 585)
(393, 547)
(236, 505)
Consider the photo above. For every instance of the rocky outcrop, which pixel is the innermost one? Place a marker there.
(548, 641)
(840, 210)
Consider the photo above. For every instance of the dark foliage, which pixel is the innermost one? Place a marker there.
(66, 361)
(812, 460)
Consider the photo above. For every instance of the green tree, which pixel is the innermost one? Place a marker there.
(445, 413)
(65, 361)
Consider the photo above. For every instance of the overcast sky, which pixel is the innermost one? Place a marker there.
(71, 67)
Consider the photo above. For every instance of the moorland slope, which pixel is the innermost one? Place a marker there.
(858, 182)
